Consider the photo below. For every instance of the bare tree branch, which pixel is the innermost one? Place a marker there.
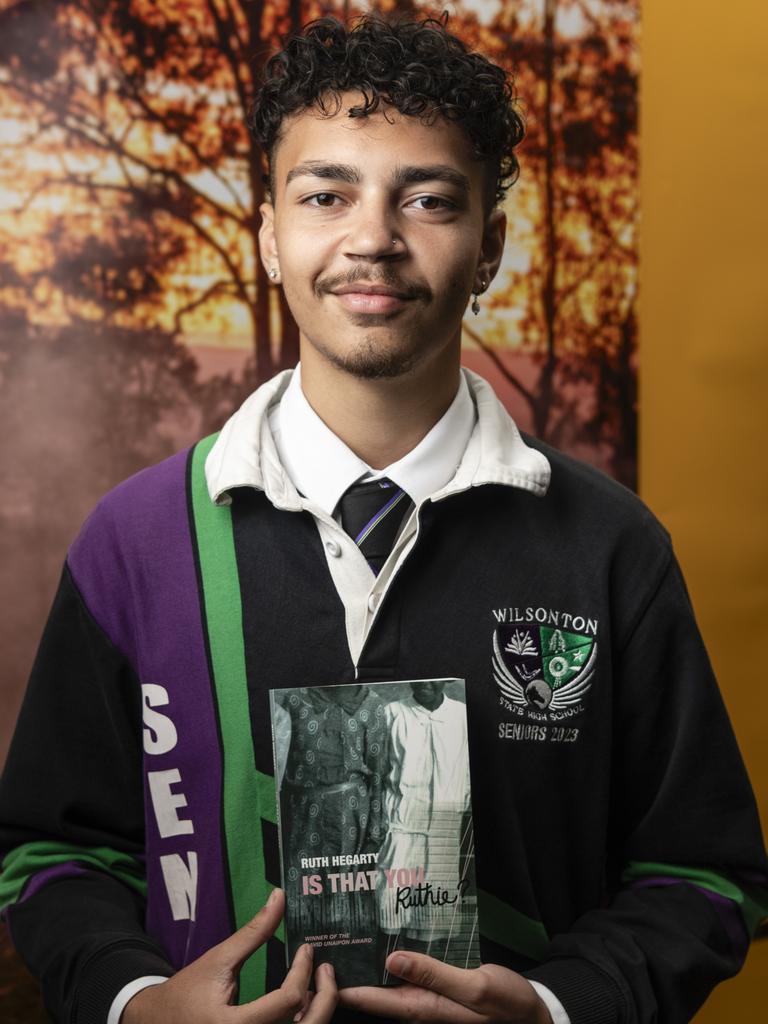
(109, 143)
(565, 292)
(493, 355)
(217, 288)
(158, 118)
(233, 58)
(232, 19)
(240, 284)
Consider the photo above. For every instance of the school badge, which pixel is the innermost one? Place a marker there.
(543, 669)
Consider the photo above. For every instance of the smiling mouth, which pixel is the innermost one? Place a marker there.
(371, 301)
(368, 297)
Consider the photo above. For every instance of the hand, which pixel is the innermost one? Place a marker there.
(202, 992)
(438, 992)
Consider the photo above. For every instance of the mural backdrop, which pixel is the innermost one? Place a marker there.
(134, 312)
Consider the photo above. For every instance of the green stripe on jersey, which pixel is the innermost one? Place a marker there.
(248, 795)
(30, 858)
(506, 926)
(752, 900)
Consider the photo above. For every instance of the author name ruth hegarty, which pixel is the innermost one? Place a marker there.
(339, 860)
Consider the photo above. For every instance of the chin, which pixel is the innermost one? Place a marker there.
(370, 360)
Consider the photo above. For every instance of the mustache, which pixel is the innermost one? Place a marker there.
(385, 276)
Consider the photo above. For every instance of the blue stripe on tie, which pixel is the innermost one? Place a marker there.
(373, 523)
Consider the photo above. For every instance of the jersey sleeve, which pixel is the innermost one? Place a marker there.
(687, 869)
(71, 820)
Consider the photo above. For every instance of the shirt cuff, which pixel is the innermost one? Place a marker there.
(550, 1000)
(127, 992)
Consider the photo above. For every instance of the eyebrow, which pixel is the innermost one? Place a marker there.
(321, 169)
(432, 172)
(403, 175)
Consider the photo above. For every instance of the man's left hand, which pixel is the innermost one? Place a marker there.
(438, 992)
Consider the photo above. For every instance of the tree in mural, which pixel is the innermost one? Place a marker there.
(140, 204)
(137, 111)
(577, 196)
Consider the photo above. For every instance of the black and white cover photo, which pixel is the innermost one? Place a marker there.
(375, 823)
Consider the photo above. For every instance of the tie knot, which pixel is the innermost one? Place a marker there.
(372, 514)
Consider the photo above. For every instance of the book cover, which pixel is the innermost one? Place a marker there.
(375, 823)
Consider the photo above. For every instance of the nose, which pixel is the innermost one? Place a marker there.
(372, 233)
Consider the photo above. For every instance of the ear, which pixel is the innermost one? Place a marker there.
(491, 249)
(268, 243)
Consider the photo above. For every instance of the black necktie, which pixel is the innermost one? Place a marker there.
(372, 514)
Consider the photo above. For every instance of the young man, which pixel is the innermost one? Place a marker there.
(620, 871)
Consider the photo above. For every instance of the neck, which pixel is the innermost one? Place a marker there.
(380, 420)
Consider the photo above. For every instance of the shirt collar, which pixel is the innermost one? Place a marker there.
(322, 467)
(247, 455)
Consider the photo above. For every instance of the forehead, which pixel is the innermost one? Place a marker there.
(377, 143)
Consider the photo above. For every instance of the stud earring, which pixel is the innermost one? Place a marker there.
(272, 273)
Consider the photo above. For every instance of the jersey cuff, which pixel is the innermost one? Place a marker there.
(587, 994)
(106, 976)
(547, 996)
(126, 994)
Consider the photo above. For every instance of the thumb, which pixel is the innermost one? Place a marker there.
(235, 950)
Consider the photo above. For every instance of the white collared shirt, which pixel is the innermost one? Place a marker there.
(322, 467)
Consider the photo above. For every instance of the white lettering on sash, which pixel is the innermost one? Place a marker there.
(159, 732)
(181, 884)
(166, 803)
(180, 871)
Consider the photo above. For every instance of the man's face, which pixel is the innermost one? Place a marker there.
(428, 693)
(379, 234)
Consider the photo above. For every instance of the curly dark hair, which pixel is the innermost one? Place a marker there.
(417, 67)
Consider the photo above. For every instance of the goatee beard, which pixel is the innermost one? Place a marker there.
(369, 361)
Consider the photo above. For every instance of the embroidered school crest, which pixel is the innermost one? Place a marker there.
(543, 670)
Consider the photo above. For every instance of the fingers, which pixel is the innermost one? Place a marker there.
(297, 979)
(232, 952)
(438, 991)
(408, 1002)
(325, 999)
(465, 987)
(285, 1002)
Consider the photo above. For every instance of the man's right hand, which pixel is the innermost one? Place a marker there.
(202, 992)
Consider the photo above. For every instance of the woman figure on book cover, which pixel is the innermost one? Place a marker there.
(331, 801)
(427, 803)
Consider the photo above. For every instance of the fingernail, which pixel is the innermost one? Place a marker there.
(310, 949)
(298, 1017)
(399, 965)
(328, 968)
(272, 897)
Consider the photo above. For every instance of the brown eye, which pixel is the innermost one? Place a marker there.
(322, 199)
(431, 203)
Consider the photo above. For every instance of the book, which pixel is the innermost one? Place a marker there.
(375, 824)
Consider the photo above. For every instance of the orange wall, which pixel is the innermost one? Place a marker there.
(704, 354)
